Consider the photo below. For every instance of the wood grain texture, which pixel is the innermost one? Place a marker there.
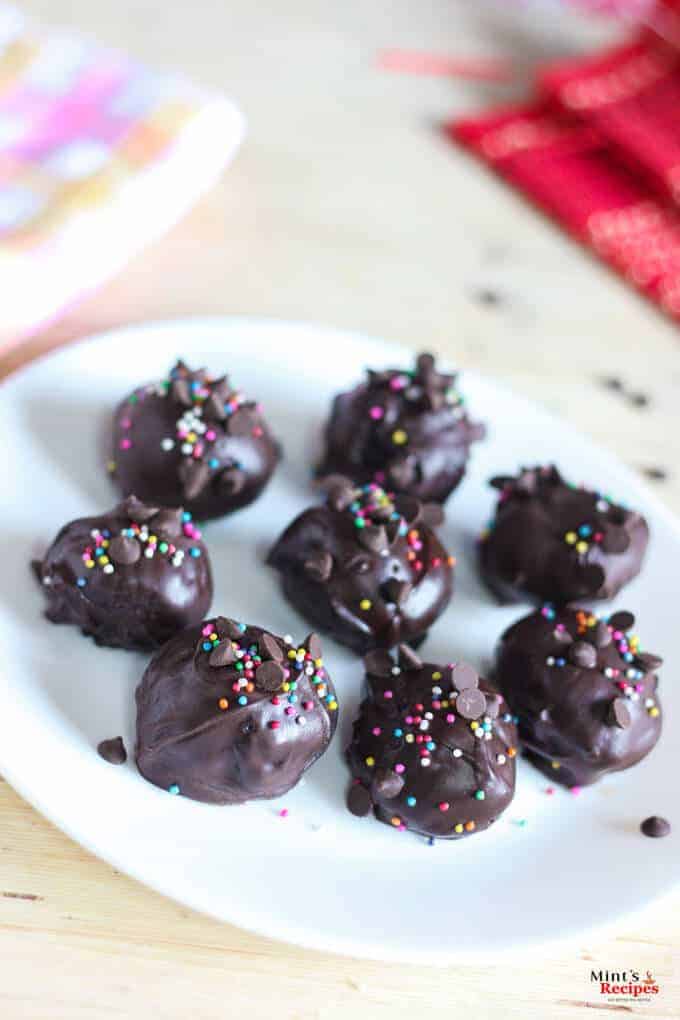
(345, 206)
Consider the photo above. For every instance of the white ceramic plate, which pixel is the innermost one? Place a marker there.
(319, 877)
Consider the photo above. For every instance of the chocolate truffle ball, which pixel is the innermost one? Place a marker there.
(584, 693)
(131, 578)
(366, 568)
(408, 431)
(227, 712)
(433, 748)
(194, 441)
(553, 542)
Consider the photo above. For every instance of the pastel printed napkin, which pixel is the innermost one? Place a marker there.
(98, 156)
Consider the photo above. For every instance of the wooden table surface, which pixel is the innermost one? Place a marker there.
(348, 207)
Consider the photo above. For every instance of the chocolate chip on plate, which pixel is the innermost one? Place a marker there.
(655, 827)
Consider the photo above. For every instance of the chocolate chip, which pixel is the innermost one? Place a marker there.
(359, 800)
(655, 827)
(381, 514)
(401, 473)
(194, 476)
(379, 378)
(408, 658)
(221, 388)
(648, 662)
(387, 784)
(232, 480)
(222, 655)
(395, 591)
(639, 399)
(136, 510)
(242, 422)
(340, 492)
(527, 483)
(378, 662)
(619, 714)
(615, 540)
(113, 751)
(230, 628)
(582, 654)
(179, 391)
(213, 408)
(270, 648)
(470, 703)
(425, 365)
(612, 382)
(655, 474)
(374, 538)
(269, 676)
(501, 481)
(592, 578)
(490, 298)
(392, 529)
(622, 620)
(464, 677)
(313, 645)
(617, 514)
(168, 522)
(432, 515)
(319, 566)
(602, 635)
(409, 508)
(123, 550)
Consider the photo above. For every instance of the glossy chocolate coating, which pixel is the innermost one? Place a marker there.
(193, 441)
(370, 586)
(433, 749)
(584, 694)
(407, 431)
(108, 576)
(553, 542)
(216, 732)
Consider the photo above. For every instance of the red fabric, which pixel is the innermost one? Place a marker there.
(632, 97)
(599, 150)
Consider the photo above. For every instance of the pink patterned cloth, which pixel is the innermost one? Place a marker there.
(98, 156)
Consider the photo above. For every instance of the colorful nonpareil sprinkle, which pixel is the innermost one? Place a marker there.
(98, 555)
(239, 672)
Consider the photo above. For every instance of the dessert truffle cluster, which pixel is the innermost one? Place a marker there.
(367, 567)
(130, 578)
(553, 542)
(227, 712)
(583, 691)
(192, 440)
(406, 431)
(433, 749)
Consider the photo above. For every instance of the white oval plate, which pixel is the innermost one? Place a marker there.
(550, 867)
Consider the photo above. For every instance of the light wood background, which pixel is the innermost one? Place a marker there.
(345, 206)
